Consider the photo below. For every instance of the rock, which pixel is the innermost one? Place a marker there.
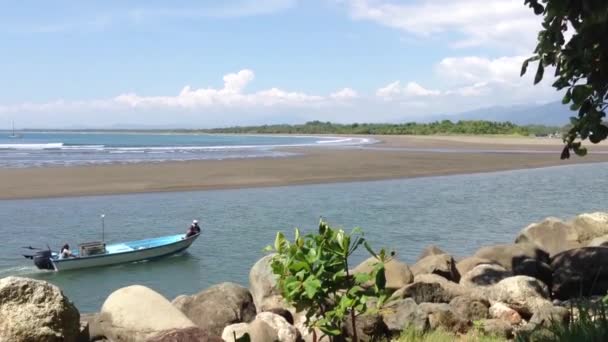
(582, 271)
(430, 250)
(549, 314)
(431, 288)
(429, 308)
(136, 313)
(484, 275)
(403, 313)
(260, 331)
(601, 241)
(442, 265)
(397, 273)
(551, 235)
(283, 313)
(235, 331)
(501, 311)
(192, 334)
(467, 264)
(34, 310)
(83, 332)
(263, 286)
(510, 255)
(522, 293)
(285, 331)
(591, 225)
(536, 269)
(370, 327)
(448, 321)
(468, 308)
(217, 307)
(497, 328)
(95, 331)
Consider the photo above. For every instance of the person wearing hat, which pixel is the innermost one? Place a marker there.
(194, 229)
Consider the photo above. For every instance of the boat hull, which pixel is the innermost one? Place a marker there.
(126, 256)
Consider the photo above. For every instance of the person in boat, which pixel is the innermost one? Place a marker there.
(65, 252)
(194, 229)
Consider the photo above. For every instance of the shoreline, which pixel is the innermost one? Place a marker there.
(310, 165)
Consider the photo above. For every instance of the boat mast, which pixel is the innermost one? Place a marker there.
(103, 227)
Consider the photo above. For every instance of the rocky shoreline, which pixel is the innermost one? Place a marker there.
(503, 290)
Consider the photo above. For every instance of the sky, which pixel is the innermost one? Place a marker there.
(198, 64)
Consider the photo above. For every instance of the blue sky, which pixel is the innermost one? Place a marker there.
(212, 63)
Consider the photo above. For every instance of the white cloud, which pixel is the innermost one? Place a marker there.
(475, 22)
(344, 94)
(478, 69)
(412, 89)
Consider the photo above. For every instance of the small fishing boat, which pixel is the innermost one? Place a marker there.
(13, 134)
(93, 254)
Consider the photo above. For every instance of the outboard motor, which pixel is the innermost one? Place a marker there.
(42, 260)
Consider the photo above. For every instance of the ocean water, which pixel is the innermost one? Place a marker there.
(36, 149)
(459, 213)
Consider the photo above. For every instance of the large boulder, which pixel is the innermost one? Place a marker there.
(234, 332)
(600, 241)
(449, 321)
(497, 328)
(217, 307)
(441, 264)
(536, 269)
(521, 293)
(34, 310)
(263, 286)
(469, 308)
(465, 265)
(431, 288)
(581, 271)
(484, 275)
(185, 335)
(403, 313)
(547, 315)
(551, 235)
(137, 313)
(511, 255)
(397, 273)
(430, 250)
(591, 225)
(266, 326)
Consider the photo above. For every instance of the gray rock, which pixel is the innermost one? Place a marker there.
(448, 321)
(591, 225)
(510, 255)
(484, 275)
(217, 307)
(502, 311)
(34, 310)
(260, 331)
(580, 272)
(370, 327)
(431, 288)
(536, 269)
(429, 308)
(193, 334)
(465, 265)
(442, 265)
(121, 316)
(263, 286)
(397, 273)
(284, 331)
(521, 293)
(497, 327)
(430, 250)
(551, 235)
(549, 314)
(403, 313)
(468, 308)
(601, 241)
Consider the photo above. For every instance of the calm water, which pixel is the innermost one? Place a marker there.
(65, 149)
(459, 213)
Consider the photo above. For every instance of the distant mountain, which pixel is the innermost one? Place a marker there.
(549, 114)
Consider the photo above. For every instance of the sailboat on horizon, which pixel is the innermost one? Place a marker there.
(13, 134)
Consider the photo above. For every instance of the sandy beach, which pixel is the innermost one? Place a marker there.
(393, 157)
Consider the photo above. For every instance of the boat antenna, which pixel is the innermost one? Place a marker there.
(103, 227)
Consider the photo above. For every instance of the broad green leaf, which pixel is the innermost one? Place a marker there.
(311, 286)
(539, 73)
(369, 249)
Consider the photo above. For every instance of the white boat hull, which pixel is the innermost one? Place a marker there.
(123, 257)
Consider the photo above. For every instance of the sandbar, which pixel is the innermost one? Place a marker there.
(393, 157)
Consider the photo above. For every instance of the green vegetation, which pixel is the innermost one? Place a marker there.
(581, 63)
(412, 335)
(411, 128)
(313, 275)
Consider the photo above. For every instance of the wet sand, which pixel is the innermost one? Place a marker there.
(394, 157)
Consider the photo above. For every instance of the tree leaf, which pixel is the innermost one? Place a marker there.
(539, 73)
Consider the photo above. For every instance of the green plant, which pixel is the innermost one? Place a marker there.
(313, 275)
